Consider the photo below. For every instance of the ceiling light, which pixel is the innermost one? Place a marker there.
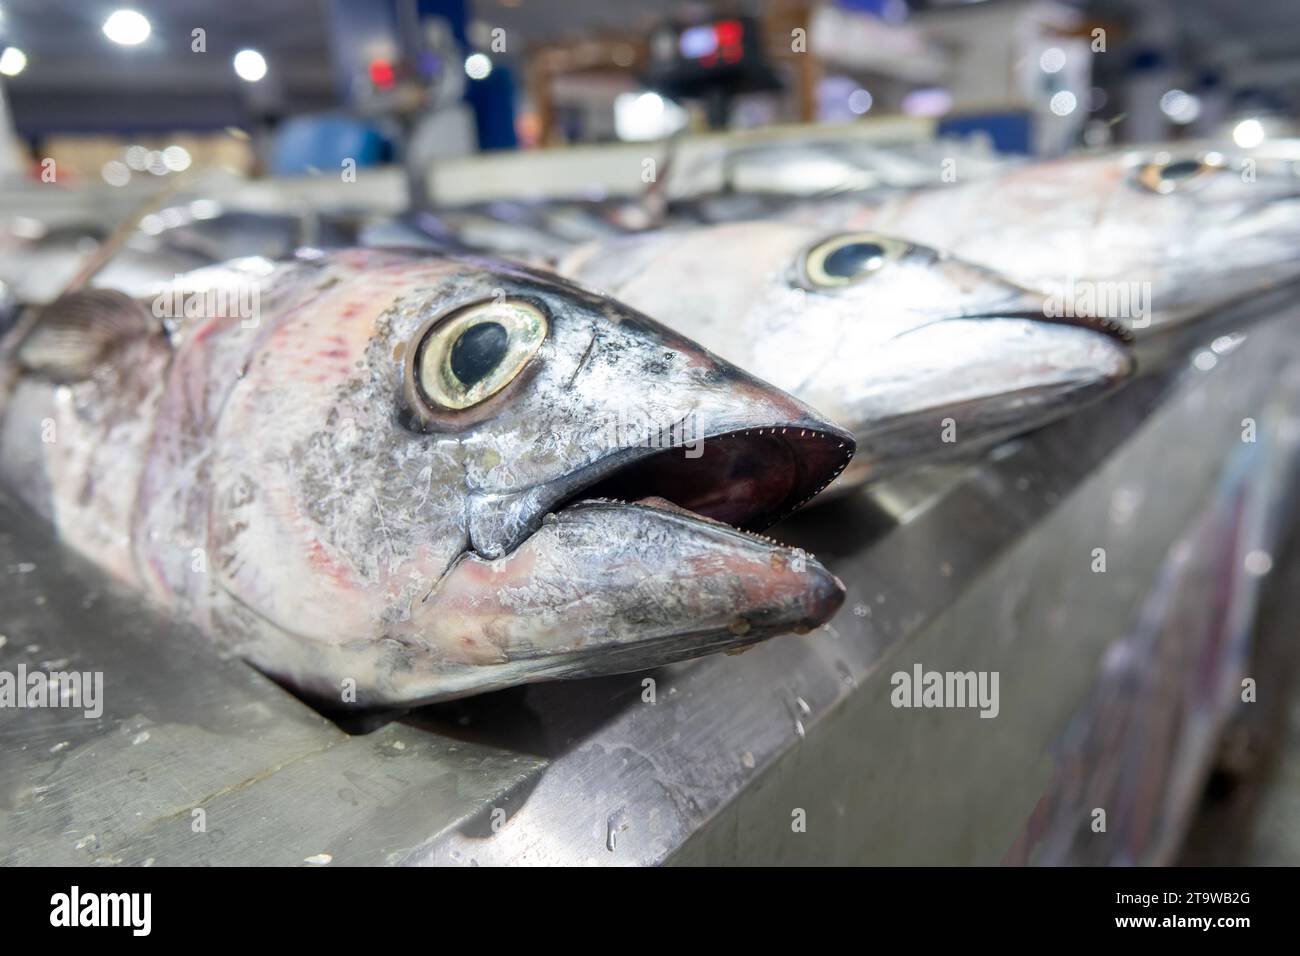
(1063, 103)
(250, 65)
(12, 61)
(127, 27)
(478, 66)
(1248, 133)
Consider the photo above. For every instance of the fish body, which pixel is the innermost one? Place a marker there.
(920, 355)
(540, 230)
(38, 260)
(396, 474)
(800, 180)
(1148, 237)
(783, 179)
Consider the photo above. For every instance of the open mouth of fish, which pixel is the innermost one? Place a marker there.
(650, 557)
(747, 480)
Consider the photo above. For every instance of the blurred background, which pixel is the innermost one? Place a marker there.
(295, 87)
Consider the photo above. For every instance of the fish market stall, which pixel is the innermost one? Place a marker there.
(847, 432)
(790, 752)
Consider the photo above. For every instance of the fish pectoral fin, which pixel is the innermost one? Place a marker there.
(75, 332)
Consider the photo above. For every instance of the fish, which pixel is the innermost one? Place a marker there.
(793, 179)
(779, 179)
(216, 233)
(922, 356)
(411, 478)
(733, 183)
(541, 230)
(39, 260)
(1154, 238)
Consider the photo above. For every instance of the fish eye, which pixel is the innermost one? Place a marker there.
(477, 351)
(1177, 175)
(850, 258)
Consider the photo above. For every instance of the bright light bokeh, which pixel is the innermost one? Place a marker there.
(478, 66)
(127, 27)
(12, 61)
(1248, 133)
(1052, 60)
(115, 173)
(250, 65)
(646, 115)
(1181, 108)
(1063, 103)
(860, 101)
(176, 158)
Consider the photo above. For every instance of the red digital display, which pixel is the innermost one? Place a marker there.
(723, 42)
(729, 32)
(731, 35)
(381, 74)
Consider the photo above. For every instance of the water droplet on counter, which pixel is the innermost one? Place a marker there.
(799, 709)
(613, 824)
(1258, 563)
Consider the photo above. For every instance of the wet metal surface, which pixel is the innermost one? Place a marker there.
(186, 730)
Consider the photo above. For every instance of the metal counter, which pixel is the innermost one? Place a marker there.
(789, 753)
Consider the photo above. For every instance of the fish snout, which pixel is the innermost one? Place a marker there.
(607, 587)
(823, 596)
(1076, 333)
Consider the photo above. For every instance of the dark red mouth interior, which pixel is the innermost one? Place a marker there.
(748, 479)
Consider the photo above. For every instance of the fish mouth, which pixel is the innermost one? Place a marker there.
(747, 479)
(1009, 371)
(651, 559)
(1109, 327)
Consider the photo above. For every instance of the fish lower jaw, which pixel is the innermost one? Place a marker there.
(608, 586)
(611, 584)
(661, 504)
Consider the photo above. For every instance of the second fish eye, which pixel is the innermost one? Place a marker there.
(849, 258)
(477, 351)
(1173, 176)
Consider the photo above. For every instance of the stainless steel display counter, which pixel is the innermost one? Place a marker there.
(789, 753)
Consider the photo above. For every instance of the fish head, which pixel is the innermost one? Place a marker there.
(1214, 177)
(1230, 223)
(886, 337)
(443, 475)
(1188, 228)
